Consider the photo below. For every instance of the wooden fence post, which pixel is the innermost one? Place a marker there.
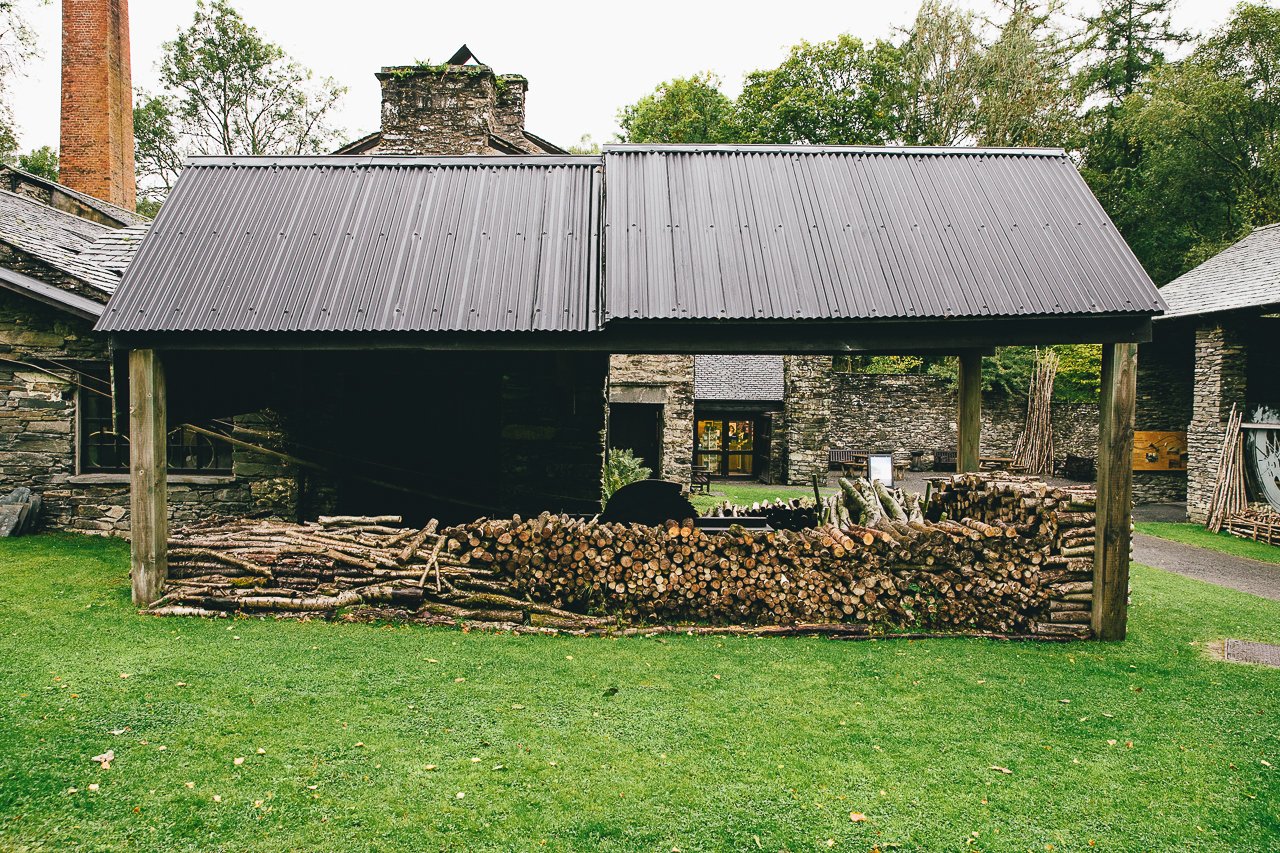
(1115, 491)
(148, 487)
(969, 414)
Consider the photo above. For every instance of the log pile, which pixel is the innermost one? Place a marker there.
(982, 555)
(795, 514)
(1228, 486)
(1034, 451)
(1260, 525)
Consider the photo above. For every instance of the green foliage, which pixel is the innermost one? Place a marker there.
(839, 92)
(941, 70)
(368, 732)
(1209, 131)
(585, 145)
(620, 468)
(18, 46)
(879, 364)
(226, 90)
(681, 110)
(1008, 372)
(41, 161)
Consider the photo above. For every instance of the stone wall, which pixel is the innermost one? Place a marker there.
(1165, 379)
(911, 412)
(666, 380)
(39, 435)
(1220, 381)
(807, 413)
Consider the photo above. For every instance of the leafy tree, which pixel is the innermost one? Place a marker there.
(42, 161)
(18, 45)
(681, 110)
(942, 56)
(1027, 97)
(226, 90)
(1209, 130)
(839, 92)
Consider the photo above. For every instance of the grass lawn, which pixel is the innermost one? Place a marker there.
(394, 738)
(745, 494)
(1194, 534)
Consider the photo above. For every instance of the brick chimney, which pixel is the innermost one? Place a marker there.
(96, 155)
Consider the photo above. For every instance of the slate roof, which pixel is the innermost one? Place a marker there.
(114, 250)
(17, 178)
(823, 233)
(56, 238)
(374, 243)
(737, 377)
(1246, 275)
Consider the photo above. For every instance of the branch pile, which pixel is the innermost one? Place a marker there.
(1034, 451)
(980, 556)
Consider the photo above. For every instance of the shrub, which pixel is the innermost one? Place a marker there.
(620, 468)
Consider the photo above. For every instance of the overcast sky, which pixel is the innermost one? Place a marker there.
(583, 60)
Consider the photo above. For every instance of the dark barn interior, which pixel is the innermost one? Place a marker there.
(421, 434)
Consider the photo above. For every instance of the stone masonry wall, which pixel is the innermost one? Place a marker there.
(1220, 380)
(910, 412)
(39, 435)
(806, 408)
(668, 381)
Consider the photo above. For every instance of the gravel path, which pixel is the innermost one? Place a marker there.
(1249, 576)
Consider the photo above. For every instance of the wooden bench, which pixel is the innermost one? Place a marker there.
(700, 480)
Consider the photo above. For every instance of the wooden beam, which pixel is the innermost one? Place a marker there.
(969, 413)
(1115, 491)
(148, 464)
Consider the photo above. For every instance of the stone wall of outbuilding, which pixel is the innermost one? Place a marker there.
(665, 380)
(1221, 379)
(41, 350)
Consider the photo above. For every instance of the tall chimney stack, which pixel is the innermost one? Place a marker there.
(96, 155)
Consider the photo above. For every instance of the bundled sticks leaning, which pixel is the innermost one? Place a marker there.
(980, 555)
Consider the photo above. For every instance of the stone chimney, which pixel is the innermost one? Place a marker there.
(96, 149)
(508, 109)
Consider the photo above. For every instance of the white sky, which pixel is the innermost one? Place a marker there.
(583, 60)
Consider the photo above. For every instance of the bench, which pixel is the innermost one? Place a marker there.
(700, 480)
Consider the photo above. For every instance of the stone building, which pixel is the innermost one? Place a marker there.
(1215, 349)
(63, 250)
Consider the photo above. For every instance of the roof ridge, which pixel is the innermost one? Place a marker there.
(934, 150)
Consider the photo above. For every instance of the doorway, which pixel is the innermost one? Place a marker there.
(638, 427)
(730, 445)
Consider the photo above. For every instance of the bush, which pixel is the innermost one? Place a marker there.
(622, 467)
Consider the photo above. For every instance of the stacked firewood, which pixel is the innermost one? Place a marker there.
(1062, 521)
(1258, 524)
(981, 555)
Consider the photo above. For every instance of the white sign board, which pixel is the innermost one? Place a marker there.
(880, 467)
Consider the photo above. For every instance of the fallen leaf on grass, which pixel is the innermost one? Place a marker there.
(217, 798)
(460, 795)
(105, 759)
(93, 786)
(237, 761)
(499, 767)
(124, 675)
(261, 751)
(459, 680)
(1004, 770)
(1264, 762)
(191, 784)
(430, 767)
(1111, 742)
(857, 817)
(517, 707)
(119, 732)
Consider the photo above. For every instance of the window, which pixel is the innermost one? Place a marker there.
(104, 440)
(726, 447)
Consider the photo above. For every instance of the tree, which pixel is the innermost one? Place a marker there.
(839, 92)
(18, 46)
(1124, 42)
(942, 56)
(226, 90)
(1209, 129)
(1027, 97)
(41, 161)
(681, 110)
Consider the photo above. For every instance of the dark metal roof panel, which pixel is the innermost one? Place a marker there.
(809, 232)
(369, 244)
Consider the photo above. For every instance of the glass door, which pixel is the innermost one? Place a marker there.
(741, 447)
(725, 447)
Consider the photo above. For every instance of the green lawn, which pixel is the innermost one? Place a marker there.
(618, 745)
(1194, 534)
(745, 494)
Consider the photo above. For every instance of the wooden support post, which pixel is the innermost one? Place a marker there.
(1115, 491)
(148, 487)
(969, 416)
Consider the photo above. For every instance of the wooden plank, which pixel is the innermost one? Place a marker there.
(148, 487)
(969, 415)
(1115, 491)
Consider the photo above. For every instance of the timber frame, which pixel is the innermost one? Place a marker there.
(968, 340)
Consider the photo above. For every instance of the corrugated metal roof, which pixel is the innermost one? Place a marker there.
(375, 243)
(1246, 275)
(737, 377)
(805, 232)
